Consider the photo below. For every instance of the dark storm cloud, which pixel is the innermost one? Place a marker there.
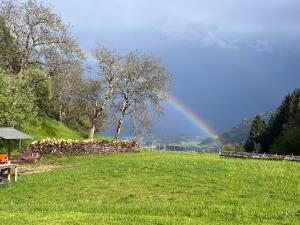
(228, 23)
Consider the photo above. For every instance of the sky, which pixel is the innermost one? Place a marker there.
(229, 59)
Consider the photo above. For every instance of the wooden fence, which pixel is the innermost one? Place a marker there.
(253, 155)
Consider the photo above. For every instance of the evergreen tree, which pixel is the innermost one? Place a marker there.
(285, 118)
(294, 109)
(255, 141)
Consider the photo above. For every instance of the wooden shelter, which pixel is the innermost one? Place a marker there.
(7, 170)
(9, 134)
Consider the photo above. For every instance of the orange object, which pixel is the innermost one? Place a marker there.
(3, 158)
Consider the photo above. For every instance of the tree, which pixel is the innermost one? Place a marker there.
(109, 76)
(283, 130)
(9, 55)
(140, 92)
(66, 77)
(285, 117)
(16, 101)
(40, 35)
(40, 84)
(78, 109)
(256, 135)
(43, 40)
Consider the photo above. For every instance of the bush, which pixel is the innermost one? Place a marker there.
(233, 147)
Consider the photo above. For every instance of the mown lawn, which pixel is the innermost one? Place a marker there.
(155, 188)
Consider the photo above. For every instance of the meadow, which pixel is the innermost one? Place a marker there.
(152, 187)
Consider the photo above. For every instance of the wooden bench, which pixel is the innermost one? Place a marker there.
(8, 170)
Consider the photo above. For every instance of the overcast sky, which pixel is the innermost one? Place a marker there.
(229, 59)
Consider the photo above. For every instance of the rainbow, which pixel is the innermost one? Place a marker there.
(191, 116)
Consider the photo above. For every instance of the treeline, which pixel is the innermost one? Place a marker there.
(42, 74)
(282, 133)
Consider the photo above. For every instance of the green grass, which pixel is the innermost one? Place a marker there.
(155, 188)
(53, 129)
(49, 128)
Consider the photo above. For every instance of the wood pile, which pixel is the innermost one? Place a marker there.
(254, 155)
(38, 149)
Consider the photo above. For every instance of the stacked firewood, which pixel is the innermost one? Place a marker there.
(38, 149)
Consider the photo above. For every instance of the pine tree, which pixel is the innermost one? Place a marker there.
(294, 109)
(255, 141)
(285, 117)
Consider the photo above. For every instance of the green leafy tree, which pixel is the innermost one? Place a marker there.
(40, 84)
(256, 135)
(16, 101)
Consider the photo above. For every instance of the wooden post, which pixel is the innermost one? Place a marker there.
(9, 174)
(16, 173)
(9, 148)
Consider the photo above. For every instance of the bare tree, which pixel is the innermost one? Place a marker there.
(39, 33)
(109, 76)
(141, 90)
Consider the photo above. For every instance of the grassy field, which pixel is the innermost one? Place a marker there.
(154, 188)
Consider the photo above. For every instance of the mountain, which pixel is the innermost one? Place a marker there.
(239, 132)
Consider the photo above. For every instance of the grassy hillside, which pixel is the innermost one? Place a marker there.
(52, 128)
(154, 188)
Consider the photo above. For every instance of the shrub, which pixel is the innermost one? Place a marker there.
(233, 147)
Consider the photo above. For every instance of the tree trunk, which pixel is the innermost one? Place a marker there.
(60, 109)
(92, 131)
(97, 112)
(60, 114)
(120, 125)
(121, 120)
